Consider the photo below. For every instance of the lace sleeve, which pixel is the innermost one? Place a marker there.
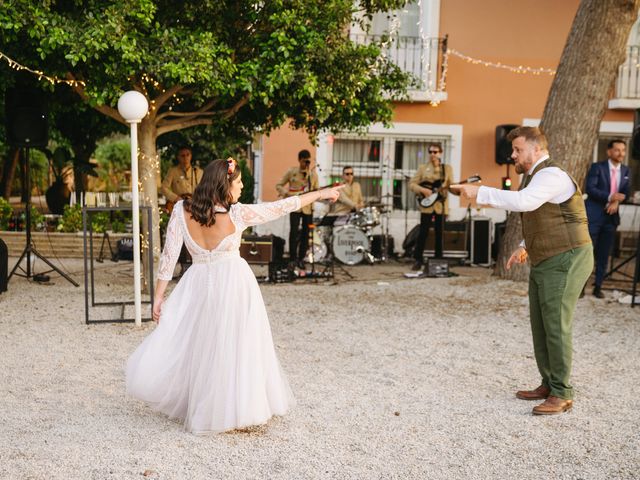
(172, 245)
(256, 214)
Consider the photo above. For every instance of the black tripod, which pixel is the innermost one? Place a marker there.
(29, 249)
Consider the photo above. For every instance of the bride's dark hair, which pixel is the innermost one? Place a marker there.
(213, 190)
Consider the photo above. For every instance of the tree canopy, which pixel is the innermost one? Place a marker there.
(237, 65)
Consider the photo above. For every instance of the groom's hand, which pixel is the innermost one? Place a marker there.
(468, 191)
(519, 256)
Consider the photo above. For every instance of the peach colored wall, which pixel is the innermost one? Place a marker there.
(280, 151)
(530, 33)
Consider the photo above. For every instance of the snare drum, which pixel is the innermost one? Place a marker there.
(349, 244)
(368, 217)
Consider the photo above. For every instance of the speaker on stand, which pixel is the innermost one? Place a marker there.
(27, 127)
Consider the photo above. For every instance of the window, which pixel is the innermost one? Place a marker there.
(384, 177)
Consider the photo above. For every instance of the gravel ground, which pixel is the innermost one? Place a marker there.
(395, 379)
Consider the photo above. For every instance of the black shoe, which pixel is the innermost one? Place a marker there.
(598, 293)
(417, 266)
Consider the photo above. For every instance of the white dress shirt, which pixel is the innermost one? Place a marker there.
(550, 184)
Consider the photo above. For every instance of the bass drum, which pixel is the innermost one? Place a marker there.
(349, 244)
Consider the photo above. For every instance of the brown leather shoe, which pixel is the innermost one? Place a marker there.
(553, 406)
(539, 393)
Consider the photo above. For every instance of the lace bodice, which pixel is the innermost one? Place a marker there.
(242, 216)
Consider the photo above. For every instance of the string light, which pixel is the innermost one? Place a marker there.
(511, 68)
(41, 75)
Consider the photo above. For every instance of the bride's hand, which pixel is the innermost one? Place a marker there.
(331, 194)
(157, 306)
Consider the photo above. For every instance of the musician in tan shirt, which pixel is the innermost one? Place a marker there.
(298, 180)
(350, 196)
(178, 184)
(182, 179)
(433, 171)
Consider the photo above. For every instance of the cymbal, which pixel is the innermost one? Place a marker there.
(391, 195)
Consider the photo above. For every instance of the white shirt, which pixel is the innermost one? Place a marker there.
(548, 185)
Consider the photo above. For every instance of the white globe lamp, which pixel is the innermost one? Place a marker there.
(133, 106)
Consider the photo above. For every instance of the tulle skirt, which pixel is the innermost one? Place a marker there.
(211, 360)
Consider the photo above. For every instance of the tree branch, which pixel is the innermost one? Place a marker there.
(172, 126)
(183, 115)
(166, 95)
(104, 109)
(233, 110)
(201, 111)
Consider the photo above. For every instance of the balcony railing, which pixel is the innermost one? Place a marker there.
(422, 58)
(627, 93)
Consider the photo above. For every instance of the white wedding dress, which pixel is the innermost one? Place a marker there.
(211, 360)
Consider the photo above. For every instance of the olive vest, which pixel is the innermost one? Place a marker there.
(553, 228)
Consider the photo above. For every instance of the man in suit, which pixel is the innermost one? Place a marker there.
(607, 185)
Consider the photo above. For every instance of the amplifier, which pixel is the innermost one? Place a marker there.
(257, 250)
(481, 241)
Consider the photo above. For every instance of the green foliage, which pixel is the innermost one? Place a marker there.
(6, 212)
(248, 181)
(71, 220)
(114, 159)
(114, 152)
(253, 63)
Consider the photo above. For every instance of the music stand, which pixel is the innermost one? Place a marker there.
(29, 248)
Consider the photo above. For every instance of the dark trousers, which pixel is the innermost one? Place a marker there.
(425, 224)
(602, 232)
(298, 235)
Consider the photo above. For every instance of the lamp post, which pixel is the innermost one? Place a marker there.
(133, 106)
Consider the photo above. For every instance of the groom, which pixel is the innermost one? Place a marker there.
(558, 246)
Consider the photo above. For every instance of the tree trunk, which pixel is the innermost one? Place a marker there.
(578, 96)
(149, 172)
(8, 172)
(510, 241)
(584, 80)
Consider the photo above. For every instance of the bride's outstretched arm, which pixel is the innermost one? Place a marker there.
(259, 213)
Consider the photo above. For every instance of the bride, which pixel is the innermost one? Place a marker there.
(211, 361)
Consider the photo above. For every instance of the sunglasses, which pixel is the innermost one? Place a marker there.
(348, 173)
(433, 152)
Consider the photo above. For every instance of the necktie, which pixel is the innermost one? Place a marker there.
(614, 182)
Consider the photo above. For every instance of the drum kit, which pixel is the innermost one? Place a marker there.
(348, 238)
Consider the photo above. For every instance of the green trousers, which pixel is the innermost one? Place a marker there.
(554, 287)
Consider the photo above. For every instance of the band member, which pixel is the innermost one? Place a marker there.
(298, 180)
(350, 196)
(179, 184)
(432, 177)
(181, 180)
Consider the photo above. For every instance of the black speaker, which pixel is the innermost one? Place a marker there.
(635, 136)
(26, 118)
(4, 266)
(503, 146)
(481, 241)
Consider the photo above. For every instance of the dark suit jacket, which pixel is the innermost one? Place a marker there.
(598, 188)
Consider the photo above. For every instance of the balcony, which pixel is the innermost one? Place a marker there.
(627, 94)
(420, 57)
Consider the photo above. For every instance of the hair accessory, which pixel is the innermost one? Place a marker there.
(231, 166)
